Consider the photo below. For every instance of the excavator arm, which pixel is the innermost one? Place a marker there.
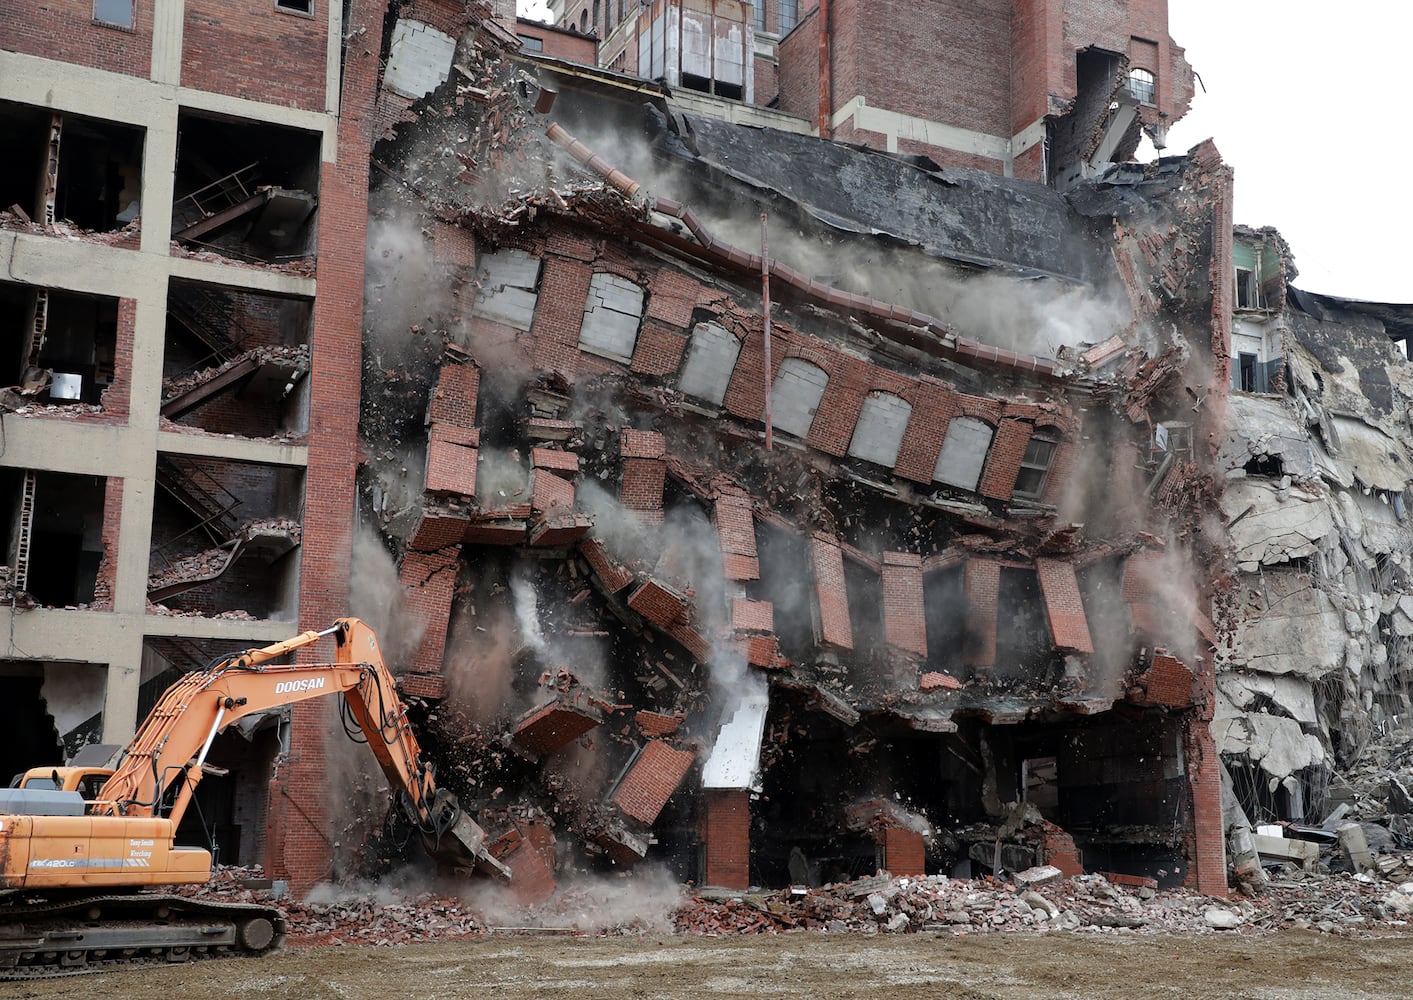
(165, 761)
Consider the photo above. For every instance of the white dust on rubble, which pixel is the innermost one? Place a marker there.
(527, 607)
(622, 532)
(645, 900)
(375, 594)
(480, 658)
(404, 289)
(502, 478)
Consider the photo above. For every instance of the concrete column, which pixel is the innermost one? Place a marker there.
(167, 20)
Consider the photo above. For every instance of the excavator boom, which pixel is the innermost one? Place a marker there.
(54, 842)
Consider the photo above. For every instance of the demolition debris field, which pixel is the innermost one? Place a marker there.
(1290, 965)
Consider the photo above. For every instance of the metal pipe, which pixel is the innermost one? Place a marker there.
(765, 311)
(210, 737)
(711, 52)
(616, 178)
(826, 84)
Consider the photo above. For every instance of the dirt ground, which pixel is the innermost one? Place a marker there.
(1287, 966)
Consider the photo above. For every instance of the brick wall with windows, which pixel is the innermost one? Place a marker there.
(257, 50)
(67, 30)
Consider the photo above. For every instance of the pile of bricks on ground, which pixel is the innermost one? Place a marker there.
(376, 917)
(1341, 904)
(1037, 901)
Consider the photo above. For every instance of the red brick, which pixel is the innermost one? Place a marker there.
(554, 460)
(726, 837)
(454, 398)
(904, 852)
(982, 584)
(659, 604)
(642, 486)
(495, 531)
(935, 680)
(555, 725)
(736, 528)
(430, 686)
(566, 529)
(428, 579)
(1168, 681)
(652, 724)
(612, 577)
(550, 493)
(904, 617)
(831, 593)
(752, 616)
(1063, 607)
(655, 774)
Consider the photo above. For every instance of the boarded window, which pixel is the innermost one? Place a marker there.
(963, 453)
(711, 359)
(1035, 468)
(795, 397)
(879, 432)
(508, 288)
(117, 12)
(612, 313)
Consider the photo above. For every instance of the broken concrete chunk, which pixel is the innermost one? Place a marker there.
(1221, 919)
(1038, 876)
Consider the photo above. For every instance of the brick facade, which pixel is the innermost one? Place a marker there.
(726, 838)
(65, 30)
(252, 49)
(301, 838)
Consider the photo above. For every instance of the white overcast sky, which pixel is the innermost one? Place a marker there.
(1305, 99)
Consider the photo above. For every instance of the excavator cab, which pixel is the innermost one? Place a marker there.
(85, 780)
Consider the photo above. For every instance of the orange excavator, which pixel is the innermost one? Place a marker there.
(77, 875)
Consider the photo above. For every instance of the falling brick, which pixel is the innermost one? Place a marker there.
(659, 604)
(831, 593)
(1065, 610)
(555, 725)
(904, 617)
(651, 779)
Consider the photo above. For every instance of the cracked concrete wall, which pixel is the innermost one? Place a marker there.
(1316, 472)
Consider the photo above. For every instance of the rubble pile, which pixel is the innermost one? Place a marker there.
(1038, 900)
(300, 267)
(381, 917)
(211, 562)
(295, 358)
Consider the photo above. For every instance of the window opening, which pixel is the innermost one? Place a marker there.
(1035, 468)
(963, 454)
(295, 6)
(788, 16)
(1248, 289)
(118, 13)
(1141, 85)
(1249, 372)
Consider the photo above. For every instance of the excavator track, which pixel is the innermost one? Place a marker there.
(47, 940)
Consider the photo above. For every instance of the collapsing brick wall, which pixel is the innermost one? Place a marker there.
(613, 546)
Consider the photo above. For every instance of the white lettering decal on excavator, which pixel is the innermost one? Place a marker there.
(308, 684)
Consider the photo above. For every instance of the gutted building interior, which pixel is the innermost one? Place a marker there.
(756, 464)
